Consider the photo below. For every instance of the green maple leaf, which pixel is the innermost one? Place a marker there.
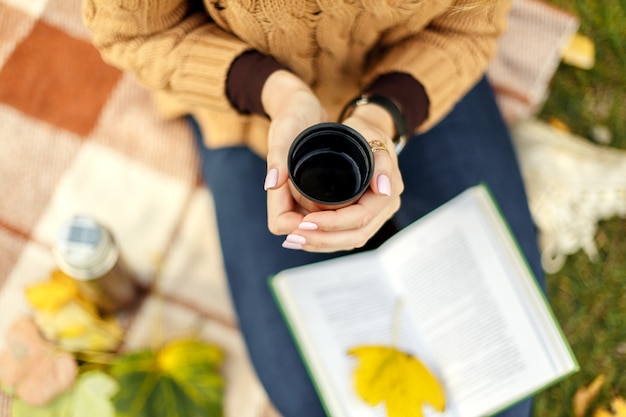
(181, 380)
(90, 396)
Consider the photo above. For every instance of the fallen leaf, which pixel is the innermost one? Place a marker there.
(183, 352)
(181, 379)
(90, 396)
(77, 328)
(558, 124)
(618, 409)
(584, 396)
(601, 412)
(53, 293)
(67, 318)
(580, 52)
(33, 368)
(402, 382)
(619, 406)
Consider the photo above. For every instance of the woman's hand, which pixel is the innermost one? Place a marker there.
(345, 228)
(292, 107)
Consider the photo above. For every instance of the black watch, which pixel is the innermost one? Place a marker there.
(392, 108)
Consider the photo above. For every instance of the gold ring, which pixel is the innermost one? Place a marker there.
(378, 145)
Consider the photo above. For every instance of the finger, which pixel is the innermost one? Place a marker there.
(383, 166)
(369, 207)
(351, 217)
(277, 174)
(325, 242)
(282, 214)
(280, 137)
(320, 239)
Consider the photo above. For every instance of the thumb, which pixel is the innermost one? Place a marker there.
(275, 177)
(280, 138)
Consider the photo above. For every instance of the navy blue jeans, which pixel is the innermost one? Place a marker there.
(470, 145)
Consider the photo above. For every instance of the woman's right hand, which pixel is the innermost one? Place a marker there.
(292, 107)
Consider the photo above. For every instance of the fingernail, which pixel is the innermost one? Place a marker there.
(271, 179)
(297, 239)
(384, 185)
(290, 245)
(307, 226)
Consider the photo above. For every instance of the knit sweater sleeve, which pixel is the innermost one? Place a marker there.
(169, 45)
(449, 55)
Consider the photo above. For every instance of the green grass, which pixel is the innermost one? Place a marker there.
(589, 298)
(585, 98)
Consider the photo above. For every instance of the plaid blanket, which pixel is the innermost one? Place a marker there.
(79, 136)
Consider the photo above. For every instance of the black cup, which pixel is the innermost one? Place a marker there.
(330, 164)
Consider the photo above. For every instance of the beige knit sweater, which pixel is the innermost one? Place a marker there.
(183, 49)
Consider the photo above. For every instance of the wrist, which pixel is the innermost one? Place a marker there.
(377, 116)
(278, 87)
(386, 104)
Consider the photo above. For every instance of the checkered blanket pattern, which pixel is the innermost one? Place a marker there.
(80, 136)
(77, 135)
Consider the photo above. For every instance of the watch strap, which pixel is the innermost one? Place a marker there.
(394, 110)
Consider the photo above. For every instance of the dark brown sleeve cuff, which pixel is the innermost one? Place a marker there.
(407, 92)
(246, 78)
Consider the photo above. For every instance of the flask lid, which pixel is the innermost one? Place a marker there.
(84, 248)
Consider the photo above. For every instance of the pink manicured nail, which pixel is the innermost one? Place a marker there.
(384, 185)
(290, 245)
(297, 239)
(271, 179)
(307, 226)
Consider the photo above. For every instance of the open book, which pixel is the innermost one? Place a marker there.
(471, 312)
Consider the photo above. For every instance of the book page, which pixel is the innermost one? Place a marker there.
(478, 329)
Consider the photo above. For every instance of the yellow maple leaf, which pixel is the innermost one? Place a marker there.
(401, 381)
(50, 295)
(53, 294)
